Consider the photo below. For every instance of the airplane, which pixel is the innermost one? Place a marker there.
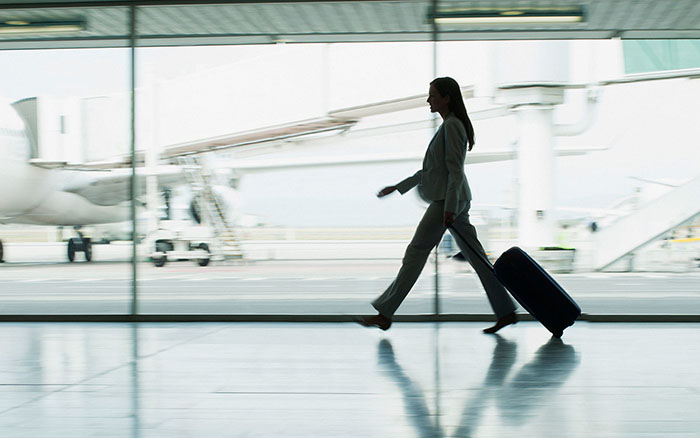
(77, 195)
(38, 194)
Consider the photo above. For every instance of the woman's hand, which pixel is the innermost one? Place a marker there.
(385, 191)
(449, 219)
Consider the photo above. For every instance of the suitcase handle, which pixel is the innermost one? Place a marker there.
(478, 253)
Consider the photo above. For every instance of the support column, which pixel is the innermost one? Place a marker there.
(535, 176)
(534, 105)
(531, 76)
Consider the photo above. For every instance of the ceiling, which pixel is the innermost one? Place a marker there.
(163, 23)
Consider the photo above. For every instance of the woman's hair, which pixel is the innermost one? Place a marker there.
(449, 87)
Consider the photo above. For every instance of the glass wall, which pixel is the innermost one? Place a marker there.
(645, 56)
(258, 161)
(623, 231)
(64, 134)
(292, 206)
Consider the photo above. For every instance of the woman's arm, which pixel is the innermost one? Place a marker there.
(409, 182)
(403, 186)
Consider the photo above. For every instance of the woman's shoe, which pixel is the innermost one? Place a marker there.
(380, 321)
(503, 321)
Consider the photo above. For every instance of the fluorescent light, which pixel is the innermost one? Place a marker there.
(497, 20)
(565, 14)
(16, 26)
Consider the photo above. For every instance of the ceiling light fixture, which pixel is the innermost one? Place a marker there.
(16, 26)
(564, 14)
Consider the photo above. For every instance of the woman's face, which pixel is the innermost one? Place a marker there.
(438, 104)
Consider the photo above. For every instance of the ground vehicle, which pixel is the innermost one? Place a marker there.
(180, 240)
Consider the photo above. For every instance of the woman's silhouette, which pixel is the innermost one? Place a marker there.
(442, 181)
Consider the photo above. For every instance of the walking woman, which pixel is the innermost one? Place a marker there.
(444, 184)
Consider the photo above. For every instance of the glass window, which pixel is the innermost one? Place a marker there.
(610, 188)
(66, 238)
(295, 141)
(643, 56)
(264, 131)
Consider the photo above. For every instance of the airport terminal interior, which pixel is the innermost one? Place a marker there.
(190, 226)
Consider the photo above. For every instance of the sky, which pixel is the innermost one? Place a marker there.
(648, 128)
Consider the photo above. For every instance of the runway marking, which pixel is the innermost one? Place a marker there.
(595, 275)
(648, 282)
(168, 297)
(40, 280)
(653, 275)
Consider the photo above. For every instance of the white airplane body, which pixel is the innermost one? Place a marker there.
(36, 195)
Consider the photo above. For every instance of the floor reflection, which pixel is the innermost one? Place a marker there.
(335, 380)
(535, 384)
(530, 390)
(135, 385)
(502, 360)
(414, 399)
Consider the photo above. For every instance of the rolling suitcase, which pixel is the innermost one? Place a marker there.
(534, 289)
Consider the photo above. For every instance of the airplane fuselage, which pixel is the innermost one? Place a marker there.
(35, 195)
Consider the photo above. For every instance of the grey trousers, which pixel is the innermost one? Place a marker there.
(427, 235)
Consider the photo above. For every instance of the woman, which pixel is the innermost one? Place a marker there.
(444, 184)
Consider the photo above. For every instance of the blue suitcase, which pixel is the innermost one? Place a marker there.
(535, 289)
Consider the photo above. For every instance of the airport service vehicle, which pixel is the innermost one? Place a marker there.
(179, 240)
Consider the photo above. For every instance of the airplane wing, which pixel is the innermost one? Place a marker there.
(111, 187)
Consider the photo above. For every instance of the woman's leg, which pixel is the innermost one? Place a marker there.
(427, 235)
(500, 301)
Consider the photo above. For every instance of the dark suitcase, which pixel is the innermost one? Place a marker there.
(534, 289)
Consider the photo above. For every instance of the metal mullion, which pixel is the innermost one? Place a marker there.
(132, 185)
(436, 303)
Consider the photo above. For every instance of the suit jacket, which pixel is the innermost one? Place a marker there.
(442, 176)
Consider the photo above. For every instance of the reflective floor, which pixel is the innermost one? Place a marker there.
(342, 380)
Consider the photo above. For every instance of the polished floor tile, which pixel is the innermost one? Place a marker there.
(342, 380)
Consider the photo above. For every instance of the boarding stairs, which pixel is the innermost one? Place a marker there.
(649, 222)
(201, 180)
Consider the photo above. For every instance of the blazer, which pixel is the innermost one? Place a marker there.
(442, 176)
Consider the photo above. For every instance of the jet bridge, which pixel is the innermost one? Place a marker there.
(648, 223)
